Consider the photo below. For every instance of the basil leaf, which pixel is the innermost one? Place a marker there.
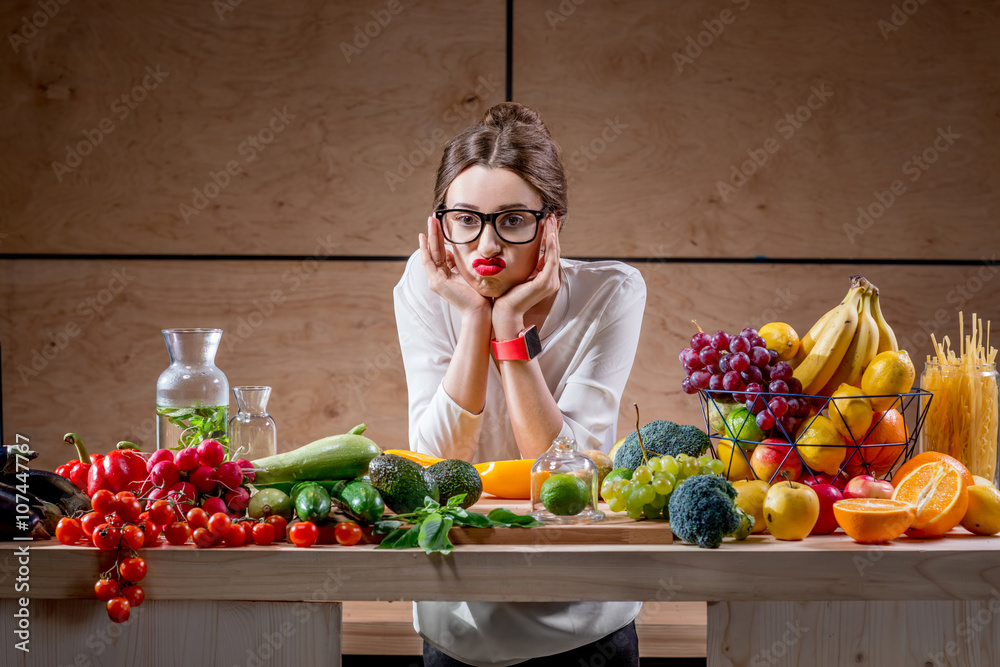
(390, 540)
(503, 517)
(385, 526)
(409, 540)
(434, 535)
(455, 500)
(430, 503)
(475, 520)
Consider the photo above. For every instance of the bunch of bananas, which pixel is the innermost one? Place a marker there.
(844, 341)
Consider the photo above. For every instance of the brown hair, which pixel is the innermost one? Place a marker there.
(510, 136)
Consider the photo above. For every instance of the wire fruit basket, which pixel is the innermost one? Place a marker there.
(861, 455)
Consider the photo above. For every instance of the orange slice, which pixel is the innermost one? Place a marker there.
(928, 457)
(940, 495)
(872, 520)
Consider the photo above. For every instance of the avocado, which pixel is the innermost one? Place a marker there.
(455, 476)
(400, 482)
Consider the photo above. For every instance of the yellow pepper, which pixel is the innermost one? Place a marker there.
(507, 479)
(423, 459)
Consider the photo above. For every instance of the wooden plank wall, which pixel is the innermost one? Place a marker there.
(294, 250)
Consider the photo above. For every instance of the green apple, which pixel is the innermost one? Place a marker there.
(790, 510)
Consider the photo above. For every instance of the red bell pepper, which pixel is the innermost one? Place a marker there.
(122, 469)
(77, 470)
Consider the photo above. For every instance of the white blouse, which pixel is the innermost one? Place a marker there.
(589, 340)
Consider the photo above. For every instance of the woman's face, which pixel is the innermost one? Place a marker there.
(487, 191)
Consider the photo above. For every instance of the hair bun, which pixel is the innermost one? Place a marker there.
(512, 113)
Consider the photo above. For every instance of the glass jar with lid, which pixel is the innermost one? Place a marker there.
(564, 485)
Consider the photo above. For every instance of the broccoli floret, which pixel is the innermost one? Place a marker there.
(662, 437)
(703, 511)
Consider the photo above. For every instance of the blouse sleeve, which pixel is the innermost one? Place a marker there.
(592, 394)
(435, 420)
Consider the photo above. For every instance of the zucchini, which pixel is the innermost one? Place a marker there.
(312, 502)
(358, 499)
(335, 457)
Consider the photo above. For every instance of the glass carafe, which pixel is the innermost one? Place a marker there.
(192, 394)
(252, 434)
(564, 485)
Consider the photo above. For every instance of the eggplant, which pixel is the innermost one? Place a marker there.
(48, 512)
(53, 488)
(8, 520)
(8, 458)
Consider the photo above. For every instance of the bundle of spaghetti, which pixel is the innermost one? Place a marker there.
(962, 420)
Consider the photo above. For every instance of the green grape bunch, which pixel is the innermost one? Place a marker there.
(643, 493)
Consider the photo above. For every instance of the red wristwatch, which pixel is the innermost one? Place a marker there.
(523, 348)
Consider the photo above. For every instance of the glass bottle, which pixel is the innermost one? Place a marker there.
(192, 394)
(252, 433)
(962, 417)
(564, 485)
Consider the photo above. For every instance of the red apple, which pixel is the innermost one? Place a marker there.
(828, 495)
(772, 456)
(866, 486)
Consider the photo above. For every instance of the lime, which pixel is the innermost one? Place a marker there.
(741, 425)
(564, 494)
(266, 502)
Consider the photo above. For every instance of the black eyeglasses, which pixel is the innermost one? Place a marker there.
(461, 226)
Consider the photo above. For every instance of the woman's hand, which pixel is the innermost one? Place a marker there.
(443, 277)
(509, 310)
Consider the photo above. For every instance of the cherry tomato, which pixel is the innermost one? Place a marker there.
(248, 531)
(263, 533)
(219, 524)
(197, 518)
(161, 513)
(115, 520)
(90, 521)
(150, 531)
(134, 537)
(134, 594)
(133, 569)
(106, 537)
(104, 502)
(69, 531)
(129, 508)
(280, 526)
(347, 533)
(119, 609)
(303, 534)
(202, 538)
(235, 536)
(105, 589)
(177, 533)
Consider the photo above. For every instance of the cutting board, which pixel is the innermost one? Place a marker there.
(616, 528)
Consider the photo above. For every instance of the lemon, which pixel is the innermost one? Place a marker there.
(750, 498)
(850, 412)
(741, 425)
(981, 480)
(888, 373)
(781, 338)
(737, 467)
(820, 445)
(983, 515)
(564, 494)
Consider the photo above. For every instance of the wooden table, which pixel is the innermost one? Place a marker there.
(822, 601)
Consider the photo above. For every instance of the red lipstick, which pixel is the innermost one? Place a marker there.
(488, 267)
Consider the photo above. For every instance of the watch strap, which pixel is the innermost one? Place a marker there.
(523, 348)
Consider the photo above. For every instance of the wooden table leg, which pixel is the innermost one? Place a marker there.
(833, 634)
(78, 633)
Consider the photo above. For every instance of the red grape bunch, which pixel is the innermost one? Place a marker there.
(741, 368)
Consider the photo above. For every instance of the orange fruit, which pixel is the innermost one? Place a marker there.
(940, 495)
(930, 457)
(872, 520)
(888, 428)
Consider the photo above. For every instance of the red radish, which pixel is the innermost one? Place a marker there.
(165, 473)
(184, 494)
(229, 475)
(203, 478)
(238, 499)
(187, 459)
(158, 493)
(248, 469)
(213, 505)
(157, 456)
(211, 453)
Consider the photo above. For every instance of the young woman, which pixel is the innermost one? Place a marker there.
(507, 346)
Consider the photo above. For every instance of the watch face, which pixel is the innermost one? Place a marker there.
(532, 342)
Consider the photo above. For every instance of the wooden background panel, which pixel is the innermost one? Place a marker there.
(82, 348)
(677, 128)
(347, 152)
